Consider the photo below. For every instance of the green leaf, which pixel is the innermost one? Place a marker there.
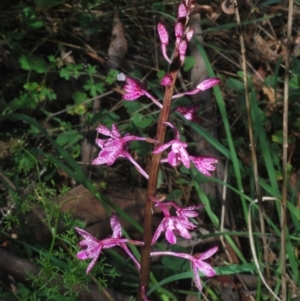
(26, 164)
(65, 73)
(235, 84)
(94, 88)
(106, 117)
(80, 109)
(189, 63)
(159, 6)
(30, 20)
(31, 86)
(91, 70)
(31, 63)
(141, 121)
(160, 74)
(141, 148)
(160, 179)
(79, 97)
(112, 76)
(132, 106)
(68, 138)
(71, 71)
(175, 194)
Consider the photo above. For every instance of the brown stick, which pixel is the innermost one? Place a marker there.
(153, 175)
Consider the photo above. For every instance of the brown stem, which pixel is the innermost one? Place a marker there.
(152, 183)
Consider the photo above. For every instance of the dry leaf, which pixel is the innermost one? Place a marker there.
(118, 46)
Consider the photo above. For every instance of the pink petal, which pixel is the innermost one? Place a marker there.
(82, 255)
(184, 156)
(102, 129)
(132, 96)
(208, 253)
(110, 156)
(183, 232)
(115, 133)
(164, 52)
(157, 233)
(189, 34)
(208, 83)
(86, 235)
(161, 148)
(116, 226)
(170, 236)
(91, 265)
(134, 83)
(172, 159)
(100, 142)
(163, 34)
(190, 113)
(182, 11)
(206, 269)
(179, 28)
(126, 249)
(99, 161)
(197, 278)
(182, 49)
(130, 88)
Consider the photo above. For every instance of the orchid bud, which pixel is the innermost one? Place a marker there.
(208, 83)
(163, 34)
(182, 49)
(166, 80)
(182, 11)
(179, 27)
(189, 34)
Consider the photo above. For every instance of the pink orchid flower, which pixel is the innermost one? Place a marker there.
(179, 29)
(197, 263)
(204, 164)
(182, 11)
(116, 146)
(190, 113)
(182, 47)
(173, 225)
(204, 85)
(135, 89)
(177, 153)
(164, 40)
(92, 247)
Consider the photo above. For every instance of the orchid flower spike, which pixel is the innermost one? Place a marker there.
(92, 247)
(204, 85)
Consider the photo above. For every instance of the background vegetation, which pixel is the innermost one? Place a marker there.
(53, 69)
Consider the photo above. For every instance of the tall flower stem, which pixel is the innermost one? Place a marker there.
(153, 175)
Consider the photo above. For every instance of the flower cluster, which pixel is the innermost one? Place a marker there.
(116, 147)
(179, 154)
(176, 221)
(171, 225)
